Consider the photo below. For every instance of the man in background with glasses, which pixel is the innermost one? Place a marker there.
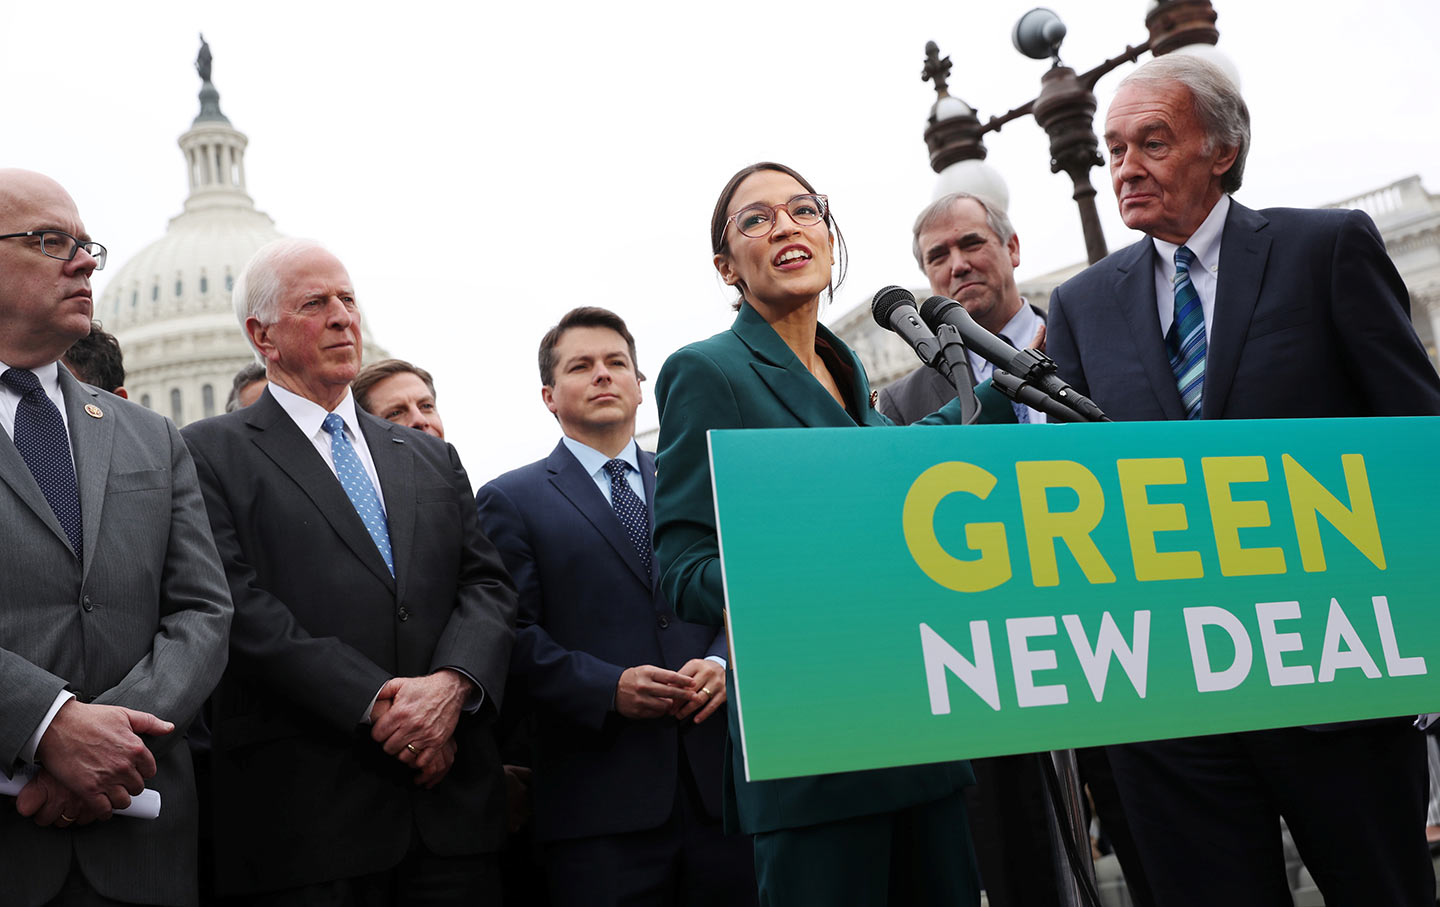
(115, 611)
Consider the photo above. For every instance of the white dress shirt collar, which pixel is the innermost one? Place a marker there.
(309, 417)
(1204, 242)
(49, 377)
(1204, 270)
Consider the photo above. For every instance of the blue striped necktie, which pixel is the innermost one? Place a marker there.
(356, 482)
(1185, 341)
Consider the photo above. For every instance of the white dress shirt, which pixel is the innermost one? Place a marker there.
(1204, 270)
(309, 416)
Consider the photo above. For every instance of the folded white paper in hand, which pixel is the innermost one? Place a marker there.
(144, 806)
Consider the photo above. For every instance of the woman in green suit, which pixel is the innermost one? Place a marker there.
(887, 837)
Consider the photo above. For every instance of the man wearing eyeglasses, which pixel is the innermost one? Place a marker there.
(113, 608)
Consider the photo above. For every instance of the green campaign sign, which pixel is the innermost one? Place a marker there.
(908, 595)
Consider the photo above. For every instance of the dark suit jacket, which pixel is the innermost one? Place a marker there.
(1311, 320)
(303, 794)
(140, 622)
(587, 612)
(747, 377)
(916, 395)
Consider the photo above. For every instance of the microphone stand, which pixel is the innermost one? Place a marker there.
(954, 364)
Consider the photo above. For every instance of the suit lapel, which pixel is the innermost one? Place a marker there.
(576, 485)
(1243, 253)
(1135, 295)
(395, 465)
(279, 438)
(788, 379)
(93, 441)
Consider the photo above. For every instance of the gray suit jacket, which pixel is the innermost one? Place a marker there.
(141, 622)
(912, 397)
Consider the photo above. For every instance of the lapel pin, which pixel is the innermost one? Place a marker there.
(93, 411)
(398, 440)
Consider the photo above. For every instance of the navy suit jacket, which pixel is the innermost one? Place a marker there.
(1311, 320)
(587, 612)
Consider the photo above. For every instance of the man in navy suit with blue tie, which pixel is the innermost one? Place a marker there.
(629, 698)
(1222, 312)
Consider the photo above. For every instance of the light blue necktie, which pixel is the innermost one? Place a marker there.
(1186, 339)
(356, 483)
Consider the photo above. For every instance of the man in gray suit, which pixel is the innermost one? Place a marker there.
(115, 612)
(969, 251)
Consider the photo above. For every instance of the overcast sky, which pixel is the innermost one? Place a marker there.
(483, 167)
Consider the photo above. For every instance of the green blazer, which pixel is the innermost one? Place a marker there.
(747, 377)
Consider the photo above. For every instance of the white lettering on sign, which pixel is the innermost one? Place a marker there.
(1134, 657)
(978, 675)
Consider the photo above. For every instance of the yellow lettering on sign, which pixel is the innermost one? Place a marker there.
(1228, 516)
(918, 521)
(1357, 523)
(1043, 528)
(1144, 519)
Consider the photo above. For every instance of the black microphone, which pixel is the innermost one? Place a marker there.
(1032, 367)
(894, 310)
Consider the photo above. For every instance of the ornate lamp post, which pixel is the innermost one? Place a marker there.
(1065, 107)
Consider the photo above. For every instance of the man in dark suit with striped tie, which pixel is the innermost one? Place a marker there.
(1223, 312)
(629, 699)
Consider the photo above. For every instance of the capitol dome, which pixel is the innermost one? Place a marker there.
(169, 306)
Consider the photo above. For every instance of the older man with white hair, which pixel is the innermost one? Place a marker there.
(354, 761)
(1222, 312)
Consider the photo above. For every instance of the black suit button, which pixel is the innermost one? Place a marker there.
(663, 621)
(87, 604)
(403, 614)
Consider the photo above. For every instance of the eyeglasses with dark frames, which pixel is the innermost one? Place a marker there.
(61, 245)
(758, 220)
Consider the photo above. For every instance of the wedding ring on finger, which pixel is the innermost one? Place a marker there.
(412, 749)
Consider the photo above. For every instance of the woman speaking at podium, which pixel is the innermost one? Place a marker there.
(895, 836)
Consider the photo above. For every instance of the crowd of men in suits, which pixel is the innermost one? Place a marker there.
(398, 671)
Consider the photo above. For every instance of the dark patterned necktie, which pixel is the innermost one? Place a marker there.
(45, 447)
(633, 514)
(1186, 340)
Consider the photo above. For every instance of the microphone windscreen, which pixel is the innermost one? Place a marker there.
(933, 310)
(885, 302)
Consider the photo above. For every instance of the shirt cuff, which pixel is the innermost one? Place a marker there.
(27, 752)
(719, 660)
(368, 718)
